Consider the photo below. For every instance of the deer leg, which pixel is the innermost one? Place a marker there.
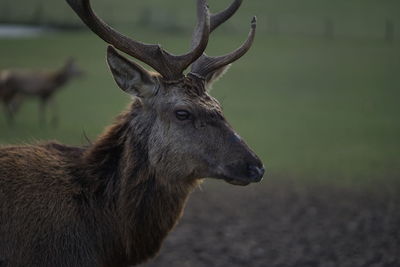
(55, 119)
(16, 103)
(9, 114)
(42, 111)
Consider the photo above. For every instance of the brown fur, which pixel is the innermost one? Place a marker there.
(112, 203)
(105, 196)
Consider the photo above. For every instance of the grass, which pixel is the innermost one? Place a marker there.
(311, 108)
(350, 17)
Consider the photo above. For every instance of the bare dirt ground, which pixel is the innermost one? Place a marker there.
(280, 224)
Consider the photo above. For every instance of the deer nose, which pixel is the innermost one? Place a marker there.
(255, 173)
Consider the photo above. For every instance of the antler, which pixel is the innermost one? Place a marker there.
(206, 64)
(219, 18)
(170, 66)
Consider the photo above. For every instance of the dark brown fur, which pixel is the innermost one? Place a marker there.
(113, 203)
(105, 196)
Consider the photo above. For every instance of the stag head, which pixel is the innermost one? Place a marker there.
(189, 136)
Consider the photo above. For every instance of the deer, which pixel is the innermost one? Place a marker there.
(114, 201)
(19, 83)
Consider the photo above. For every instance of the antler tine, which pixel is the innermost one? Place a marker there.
(200, 35)
(205, 64)
(168, 65)
(219, 18)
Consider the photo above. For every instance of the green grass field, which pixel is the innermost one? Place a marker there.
(312, 108)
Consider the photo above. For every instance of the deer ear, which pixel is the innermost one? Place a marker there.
(129, 76)
(215, 76)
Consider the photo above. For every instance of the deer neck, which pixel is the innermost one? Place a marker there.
(144, 204)
(61, 77)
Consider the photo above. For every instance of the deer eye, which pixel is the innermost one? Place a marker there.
(182, 114)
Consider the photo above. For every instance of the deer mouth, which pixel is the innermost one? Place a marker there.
(233, 179)
(242, 174)
(237, 182)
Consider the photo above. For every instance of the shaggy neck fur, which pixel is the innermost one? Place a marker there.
(144, 205)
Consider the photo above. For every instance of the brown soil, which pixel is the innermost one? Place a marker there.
(280, 224)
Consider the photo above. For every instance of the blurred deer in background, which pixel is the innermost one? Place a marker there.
(113, 202)
(17, 84)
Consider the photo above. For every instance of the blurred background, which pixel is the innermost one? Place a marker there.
(317, 97)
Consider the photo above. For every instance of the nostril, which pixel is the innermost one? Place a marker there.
(255, 172)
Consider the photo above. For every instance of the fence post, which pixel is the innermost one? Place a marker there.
(389, 31)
